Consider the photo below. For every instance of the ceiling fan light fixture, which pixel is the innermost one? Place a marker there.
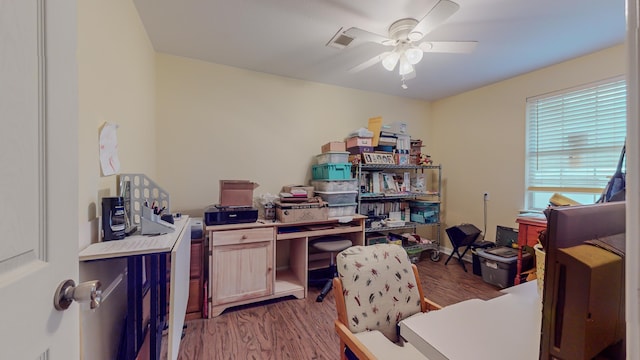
(390, 61)
(405, 66)
(414, 55)
(415, 35)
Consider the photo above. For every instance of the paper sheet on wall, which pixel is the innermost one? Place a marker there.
(109, 161)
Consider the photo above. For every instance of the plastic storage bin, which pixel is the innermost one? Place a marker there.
(333, 157)
(335, 185)
(373, 238)
(338, 197)
(331, 171)
(342, 210)
(414, 252)
(424, 212)
(498, 265)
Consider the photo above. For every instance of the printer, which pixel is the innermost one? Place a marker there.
(236, 204)
(221, 215)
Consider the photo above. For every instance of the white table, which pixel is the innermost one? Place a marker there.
(506, 327)
(155, 249)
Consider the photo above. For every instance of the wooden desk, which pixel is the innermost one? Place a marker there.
(529, 228)
(503, 328)
(266, 260)
(154, 249)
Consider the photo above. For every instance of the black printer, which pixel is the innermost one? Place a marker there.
(221, 215)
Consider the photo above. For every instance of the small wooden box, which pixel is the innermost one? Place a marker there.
(334, 146)
(359, 141)
(287, 213)
(379, 158)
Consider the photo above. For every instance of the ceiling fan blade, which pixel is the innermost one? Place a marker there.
(365, 35)
(374, 60)
(459, 47)
(436, 16)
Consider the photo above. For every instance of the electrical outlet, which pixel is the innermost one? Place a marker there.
(486, 196)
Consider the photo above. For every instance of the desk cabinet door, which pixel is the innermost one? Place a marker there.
(241, 271)
(528, 234)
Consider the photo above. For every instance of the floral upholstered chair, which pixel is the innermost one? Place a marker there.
(377, 287)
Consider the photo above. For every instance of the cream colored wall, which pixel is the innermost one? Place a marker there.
(116, 74)
(218, 122)
(481, 138)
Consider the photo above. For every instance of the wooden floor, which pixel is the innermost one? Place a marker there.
(303, 329)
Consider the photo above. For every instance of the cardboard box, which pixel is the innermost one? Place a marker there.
(334, 146)
(237, 192)
(359, 141)
(360, 150)
(308, 189)
(301, 212)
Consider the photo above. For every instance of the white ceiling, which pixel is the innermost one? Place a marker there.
(289, 37)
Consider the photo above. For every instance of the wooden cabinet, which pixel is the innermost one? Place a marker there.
(244, 258)
(241, 266)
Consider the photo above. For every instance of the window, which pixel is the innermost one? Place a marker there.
(574, 140)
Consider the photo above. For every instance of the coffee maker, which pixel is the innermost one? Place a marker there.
(113, 218)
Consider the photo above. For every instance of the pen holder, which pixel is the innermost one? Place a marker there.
(148, 214)
(152, 224)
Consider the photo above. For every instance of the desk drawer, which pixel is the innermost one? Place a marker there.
(244, 236)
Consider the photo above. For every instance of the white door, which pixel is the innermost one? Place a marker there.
(632, 273)
(38, 178)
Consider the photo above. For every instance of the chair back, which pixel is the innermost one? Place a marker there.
(379, 288)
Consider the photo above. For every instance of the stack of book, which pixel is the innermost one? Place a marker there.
(387, 139)
(296, 193)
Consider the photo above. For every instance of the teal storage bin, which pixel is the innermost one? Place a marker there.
(424, 212)
(331, 171)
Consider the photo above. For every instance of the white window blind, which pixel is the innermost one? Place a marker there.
(574, 139)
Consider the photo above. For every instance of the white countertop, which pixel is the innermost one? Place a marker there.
(503, 328)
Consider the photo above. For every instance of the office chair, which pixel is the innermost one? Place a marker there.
(332, 245)
(377, 287)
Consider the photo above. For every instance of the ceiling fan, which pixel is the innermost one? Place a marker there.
(405, 37)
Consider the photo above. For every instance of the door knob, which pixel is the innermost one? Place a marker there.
(67, 292)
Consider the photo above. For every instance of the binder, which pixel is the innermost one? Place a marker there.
(375, 124)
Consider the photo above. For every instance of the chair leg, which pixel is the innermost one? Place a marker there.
(343, 350)
(325, 290)
(454, 252)
(460, 256)
(329, 284)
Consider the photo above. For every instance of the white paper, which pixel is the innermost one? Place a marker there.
(109, 149)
